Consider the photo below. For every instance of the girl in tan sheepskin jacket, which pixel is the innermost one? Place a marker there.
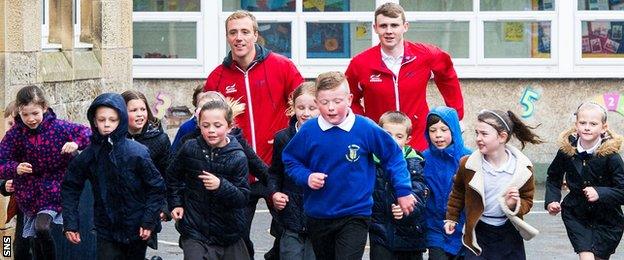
(588, 158)
(494, 185)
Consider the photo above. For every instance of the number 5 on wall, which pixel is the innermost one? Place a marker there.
(527, 100)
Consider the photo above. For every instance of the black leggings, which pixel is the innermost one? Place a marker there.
(43, 243)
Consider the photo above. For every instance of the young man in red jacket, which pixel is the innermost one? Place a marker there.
(262, 80)
(394, 74)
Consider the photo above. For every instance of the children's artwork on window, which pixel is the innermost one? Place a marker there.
(514, 31)
(275, 37)
(616, 32)
(328, 40)
(540, 40)
(326, 6)
(605, 39)
(268, 5)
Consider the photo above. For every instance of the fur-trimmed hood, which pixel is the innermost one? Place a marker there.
(611, 142)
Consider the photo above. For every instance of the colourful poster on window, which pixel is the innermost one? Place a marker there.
(326, 6)
(514, 31)
(328, 40)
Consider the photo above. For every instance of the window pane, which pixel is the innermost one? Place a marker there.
(518, 5)
(450, 36)
(602, 39)
(436, 5)
(337, 40)
(260, 5)
(166, 6)
(175, 40)
(338, 5)
(276, 37)
(514, 39)
(600, 5)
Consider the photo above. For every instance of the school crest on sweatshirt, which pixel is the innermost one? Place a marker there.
(353, 155)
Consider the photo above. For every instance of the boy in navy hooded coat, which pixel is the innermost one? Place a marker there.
(128, 189)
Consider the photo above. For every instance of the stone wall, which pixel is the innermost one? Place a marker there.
(71, 76)
(553, 110)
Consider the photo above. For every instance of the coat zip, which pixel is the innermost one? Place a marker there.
(250, 105)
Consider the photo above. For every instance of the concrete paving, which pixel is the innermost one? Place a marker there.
(551, 243)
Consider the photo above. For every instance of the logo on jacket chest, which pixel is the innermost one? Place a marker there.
(375, 78)
(230, 88)
(352, 154)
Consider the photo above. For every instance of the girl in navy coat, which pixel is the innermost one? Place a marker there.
(287, 197)
(446, 147)
(146, 129)
(208, 189)
(35, 153)
(127, 188)
(588, 158)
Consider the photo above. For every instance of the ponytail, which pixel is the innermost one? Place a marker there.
(523, 131)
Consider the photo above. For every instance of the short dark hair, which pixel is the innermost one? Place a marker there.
(199, 89)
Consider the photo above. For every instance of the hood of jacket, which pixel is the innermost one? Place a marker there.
(611, 142)
(117, 103)
(449, 116)
(261, 54)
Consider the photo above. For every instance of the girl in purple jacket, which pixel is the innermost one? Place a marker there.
(35, 153)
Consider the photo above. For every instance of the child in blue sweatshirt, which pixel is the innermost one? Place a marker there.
(332, 157)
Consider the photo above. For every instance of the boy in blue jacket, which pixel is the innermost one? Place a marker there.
(332, 156)
(446, 147)
(128, 189)
(393, 236)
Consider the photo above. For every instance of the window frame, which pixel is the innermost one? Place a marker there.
(565, 57)
(179, 67)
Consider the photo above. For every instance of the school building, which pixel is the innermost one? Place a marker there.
(538, 58)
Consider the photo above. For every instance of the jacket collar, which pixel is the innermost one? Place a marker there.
(261, 54)
(346, 125)
(611, 143)
(380, 65)
(520, 176)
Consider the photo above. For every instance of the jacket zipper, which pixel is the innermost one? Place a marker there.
(250, 105)
(395, 80)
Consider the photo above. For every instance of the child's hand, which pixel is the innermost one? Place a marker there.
(8, 186)
(316, 180)
(407, 203)
(144, 233)
(512, 197)
(24, 168)
(591, 194)
(211, 182)
(69, 147)
(280, 200)
(396, 211)
(73, 237)
(449, 227)
(554, 208)
(177, 213)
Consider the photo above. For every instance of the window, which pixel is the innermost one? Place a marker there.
(485, 38)
(168, 35)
